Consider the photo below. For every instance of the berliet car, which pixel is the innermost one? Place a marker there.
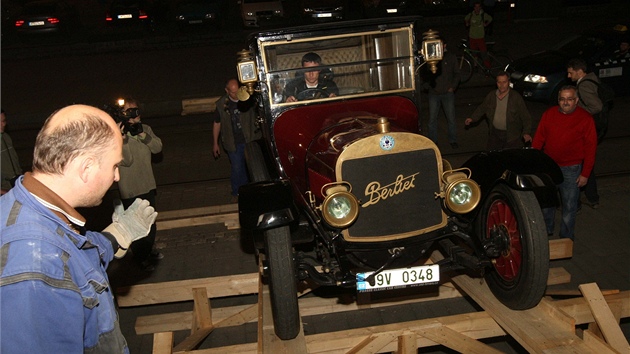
(346, 193)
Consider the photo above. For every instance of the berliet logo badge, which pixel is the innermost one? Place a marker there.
(387, 142)
(376, 193)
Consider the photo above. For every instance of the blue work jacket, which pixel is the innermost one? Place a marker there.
(55, 295)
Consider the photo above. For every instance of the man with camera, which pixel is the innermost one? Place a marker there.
(11, 168)
(136, 175)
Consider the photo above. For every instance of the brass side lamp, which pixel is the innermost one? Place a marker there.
(247, 73)
(432, 49)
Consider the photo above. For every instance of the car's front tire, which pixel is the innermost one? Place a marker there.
(282, 282)
(519, 274)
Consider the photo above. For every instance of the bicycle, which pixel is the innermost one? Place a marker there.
(471, 60)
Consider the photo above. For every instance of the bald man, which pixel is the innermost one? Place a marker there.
(55, 295)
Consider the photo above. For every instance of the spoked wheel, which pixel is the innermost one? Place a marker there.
(513, 222)
(282, 283)
(498, 63)
(465, 69)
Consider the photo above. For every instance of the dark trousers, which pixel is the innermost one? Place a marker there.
(497, 140)
(590, 189)
(142, 248)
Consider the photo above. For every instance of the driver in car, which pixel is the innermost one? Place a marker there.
(310, 86)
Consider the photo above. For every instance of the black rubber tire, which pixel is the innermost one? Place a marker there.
(255, 161)
(465, 69)
(282, 283)
(498, 63)
(521, 285)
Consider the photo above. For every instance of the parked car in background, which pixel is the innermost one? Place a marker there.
(384, 8)
(539, 76)
(197, 13)
(257, 12)
(127, 13)
(346, 192)
(46, 16)
(323, 10)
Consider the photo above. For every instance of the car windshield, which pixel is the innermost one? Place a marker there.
(363, 64)
(582, 46)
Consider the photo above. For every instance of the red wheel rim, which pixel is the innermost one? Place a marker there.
(508, 265)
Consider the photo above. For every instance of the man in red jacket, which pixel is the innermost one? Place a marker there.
(567, 134)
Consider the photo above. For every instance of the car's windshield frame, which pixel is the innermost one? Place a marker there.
(382, 61)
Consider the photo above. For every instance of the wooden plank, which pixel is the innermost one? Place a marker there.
(199, 105)
(163, 343)
(596, 343)
(534, 329)
(373, 343)
(455, 340)
(230, 219)
(202, 315)
(192, 341)
(560, 248)
(605, 318)
(558, 275)
(192, 212)
(576, 292)
(407, 344)
(578, 307)
(181, 290)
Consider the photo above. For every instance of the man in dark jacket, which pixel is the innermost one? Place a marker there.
(509, 121)
(442, 88)
(235, 123)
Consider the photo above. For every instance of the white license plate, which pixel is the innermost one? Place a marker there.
(396, 278)
(36, 23)
(324, 15)
(392, 11)
(124, 16)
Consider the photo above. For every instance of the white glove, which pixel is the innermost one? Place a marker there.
(131, 224)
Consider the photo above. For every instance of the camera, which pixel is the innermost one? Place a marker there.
(122, 116)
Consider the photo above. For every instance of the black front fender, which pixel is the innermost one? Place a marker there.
(266, 205)
(521, 169)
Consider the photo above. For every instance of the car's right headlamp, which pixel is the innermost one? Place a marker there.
(340, 208)
(536, 79)
(461, 194)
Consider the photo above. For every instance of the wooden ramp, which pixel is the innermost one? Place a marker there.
(550, 327)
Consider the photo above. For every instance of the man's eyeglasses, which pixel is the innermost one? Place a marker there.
(566, 99)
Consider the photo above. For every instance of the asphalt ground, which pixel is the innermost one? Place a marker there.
(601, 250)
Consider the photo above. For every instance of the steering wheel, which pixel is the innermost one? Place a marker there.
(311, 94)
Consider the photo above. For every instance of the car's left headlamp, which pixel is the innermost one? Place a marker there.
(461, 194)
(340, 208)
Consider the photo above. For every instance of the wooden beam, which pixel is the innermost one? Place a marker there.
(604, 317)
(230, 220)
(558, 275)
(181, 290)
(373, 343)
(407, 344)
(163, 343)
(195, 212)
(455, 340)
(202, 314)
(560, 248)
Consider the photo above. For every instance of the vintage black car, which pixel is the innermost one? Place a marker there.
(346, 193)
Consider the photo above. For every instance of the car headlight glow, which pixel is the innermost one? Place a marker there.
(536, 79)
(461, 194)
(340, 209)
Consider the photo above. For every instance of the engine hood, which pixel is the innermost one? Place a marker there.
(541, 63)
(303, 134)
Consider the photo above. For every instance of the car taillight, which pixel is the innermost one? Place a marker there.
(143, 15)
(52, 20)
(19, 23)
(108, 17)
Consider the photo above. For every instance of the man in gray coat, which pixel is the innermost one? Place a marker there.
(509, 121)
